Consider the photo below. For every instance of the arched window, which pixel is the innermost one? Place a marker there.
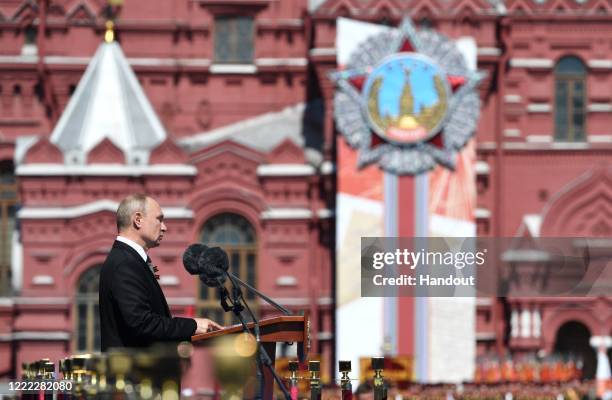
(236, 236)
(572, 341)
(87, 311)
(570, 95)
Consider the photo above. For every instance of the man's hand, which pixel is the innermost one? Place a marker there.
(206, 325)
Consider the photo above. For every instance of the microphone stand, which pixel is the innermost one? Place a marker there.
(236, 307)
(251, 289)
(262, 355)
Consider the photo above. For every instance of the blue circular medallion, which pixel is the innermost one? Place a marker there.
(406, 98)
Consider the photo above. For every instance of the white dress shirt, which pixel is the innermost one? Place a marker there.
(139, 249)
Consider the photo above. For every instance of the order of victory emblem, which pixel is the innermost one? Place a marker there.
(407, 100)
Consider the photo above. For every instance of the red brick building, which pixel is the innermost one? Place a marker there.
(243, 154)
(216, 123)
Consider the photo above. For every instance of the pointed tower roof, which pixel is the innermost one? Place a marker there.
(108, 103)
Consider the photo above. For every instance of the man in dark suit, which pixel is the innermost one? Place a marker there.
(133, 309)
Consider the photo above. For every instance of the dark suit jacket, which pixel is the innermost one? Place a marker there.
(133, 309)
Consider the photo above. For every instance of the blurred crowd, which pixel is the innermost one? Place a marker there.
(572, 390)
(527, 369)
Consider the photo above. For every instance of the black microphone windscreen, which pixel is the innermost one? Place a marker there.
(213, 280)
(213, 262)
(190, 258)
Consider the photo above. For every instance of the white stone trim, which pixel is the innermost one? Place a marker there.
(539, 108)
(327, 168)
(482, 168)
(526, 146)
(325, 335)
(189, 62)
(525, 323)
(19, 59)
(570, 145)
(535, 63)
(264, 23)
(599, 138)
(512, 132)
(91, 208)
(325, 301)
(41, 335)
(597, 341)
(295, 213)
(514, 323)
(484, 301)
(485, 335)
(539, 139)
(29, 49)
(482, 213)
(67, 60)
(233, 69)
(487, 145)
(6, 302)
(533, 222)
(286, 280)
(285, 170)
(323, 51)
(169, 62)
(599, 107)
(42, 280)
(105, 170)
(599, 64)
(132, 61)
(488, 51)
(512, 98)
(325, 213)
(536, 321)
(42, 300)
(286, 213)
(168, 280)
(16, 261)
(284, 62)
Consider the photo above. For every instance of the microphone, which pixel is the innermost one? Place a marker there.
(210, 263)
(213, 264)
(190, 258)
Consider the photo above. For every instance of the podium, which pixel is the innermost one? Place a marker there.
(292, 329)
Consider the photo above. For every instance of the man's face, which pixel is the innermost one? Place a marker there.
(152, 227)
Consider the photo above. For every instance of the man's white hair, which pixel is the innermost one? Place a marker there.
(128, 207)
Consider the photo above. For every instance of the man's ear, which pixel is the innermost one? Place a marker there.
(137, 220)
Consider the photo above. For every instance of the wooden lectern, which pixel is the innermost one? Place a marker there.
(293, 329)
